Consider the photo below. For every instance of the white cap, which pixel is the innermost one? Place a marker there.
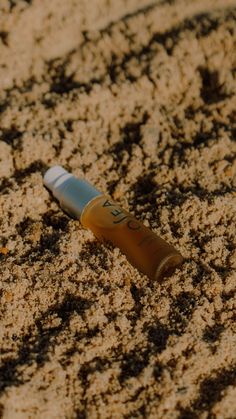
(54, 177)
(72, 193)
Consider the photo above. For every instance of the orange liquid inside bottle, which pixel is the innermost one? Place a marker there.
(143, 248)
(110, 223)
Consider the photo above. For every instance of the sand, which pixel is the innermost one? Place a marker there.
(139, 98)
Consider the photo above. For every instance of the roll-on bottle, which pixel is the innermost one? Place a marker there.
(148, 252)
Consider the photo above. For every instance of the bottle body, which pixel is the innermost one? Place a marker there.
(110, 223)
(143, 248)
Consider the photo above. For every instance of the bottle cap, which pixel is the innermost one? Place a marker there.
(72, 193)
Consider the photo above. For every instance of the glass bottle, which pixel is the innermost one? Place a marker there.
(148, 252)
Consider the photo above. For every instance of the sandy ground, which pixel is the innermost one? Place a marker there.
(138, 97)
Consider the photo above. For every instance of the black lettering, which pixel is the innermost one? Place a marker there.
(116, 212)
(120, 220)
(133, 225)
(107, 203)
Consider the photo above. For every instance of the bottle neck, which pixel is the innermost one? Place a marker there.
(73, 193)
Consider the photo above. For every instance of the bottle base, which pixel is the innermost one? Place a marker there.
(168, 265)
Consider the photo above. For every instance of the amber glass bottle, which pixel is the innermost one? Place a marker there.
(142, 247)
(146, 251)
